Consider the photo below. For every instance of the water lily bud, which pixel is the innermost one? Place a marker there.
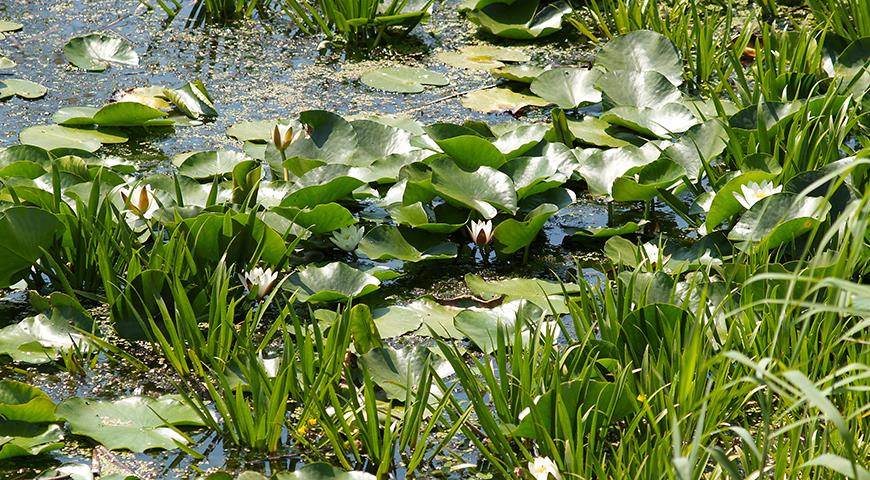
(481, 232)
(140, 201)
(282, 136)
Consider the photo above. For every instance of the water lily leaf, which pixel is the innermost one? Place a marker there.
(485, 190)
(206, 165)
(6, 62)
(259, 131)
(21, 439)
(25, 232)
(520, 139)
(724, 204)
(442, 219)
(319, 219)
(127, 114)
(132, 423)
(95, 52)
(333, 282)
(522, 20)
(699, 146)
(418, 317)
(518, 73)
(467, 148)
(637, 89)
(402, 79)
(51, 137)
(533, 175)
(325, 184)
(21, 402)
(399, 371)
(853, 68)
(661, 122)
(192, 99)
(322, 471)
(387, 242)
(482, 325)
(7, 26)
(576, 399)
(597, 132)
(603, 167)
(768, 114)
(500, 99)
(482, 57)
(607, 232)
(512, 235)
(643, 183)
(642, 51)
(568, 87)
(23, 88)
(779, 218)
(547, 295)
(23, 161)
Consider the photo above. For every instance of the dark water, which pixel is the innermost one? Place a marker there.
(258, 71)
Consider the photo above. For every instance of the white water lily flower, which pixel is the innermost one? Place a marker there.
(260, 281)
(753, 193)
(481, 232)
(654, 256)
(542, 468)
(140, 201)
(348, 238)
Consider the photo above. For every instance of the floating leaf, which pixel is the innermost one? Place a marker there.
(518, 73)
(25, 231)
(21, 402)
(205, 165)
(418, 317)
(22, 88)
(6, 62)
(483, 325)
(192, 99)
(500, 99)
(661, 121)
(336, 281)
(603, 167)
(399, 371)
(95, 52)
(482, 57)
(568, 87)
(637, 89)
(402, 79)
(387, 242)
(133, 423)
(485, 190)
(779, 218)
(19, 439)
(642, 51)
(524, 20)
(51, 137)
(512, 235)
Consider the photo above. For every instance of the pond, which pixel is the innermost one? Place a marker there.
(526, 239)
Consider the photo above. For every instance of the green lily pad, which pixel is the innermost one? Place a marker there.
(7, 26)
(399, 371)
(545, 294)
(568, 87)
(518, 73)
(534, 175)
(25, 232)
(500, 99)
(597, 132)
(319, 219)
(524, 20)
(21, 439)
(333, 282)
(853, 68)
(768, 114)
(779, 218)
(21, 402)
(192, 99)
(468, 149)
(418, 317)
(607, 232)
(259, 131)
(126, 114)
(699, 146)
(51, 137)
(322, 471)
(402, 79)
(132, 423)
(484, 190)
(22, 88)
(387, 242)
(482, 57)
(39, 339)
(661, 122)
(95, 52)
(637, 89)
(206, 165)
(603, 167)
(325, 184)
(6, 62)
(482, 325)
(420, 215)
(512, 235)
(642, 51)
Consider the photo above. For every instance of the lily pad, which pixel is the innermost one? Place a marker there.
(500, 99)
(21, 439)
(724, 205)
(482, 325)
(642, 51)
(21, 402)
(418, 317)
(205, 165)
(637, 89)
(25, 232)
(387, 242)
(661, 121)
(402, 79)
(132, 423)
(51, 137)
(512, 235)
(95, 52)
(192, 99)
(39, 339)
(524, 20)
(518, 73)
(6, 62)
(568, 87)
(484, 190)
(333, 282)
(22, 88)
(545, 294)
(482, 57)
(603, 167)
(398, 371)
(779, 218)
